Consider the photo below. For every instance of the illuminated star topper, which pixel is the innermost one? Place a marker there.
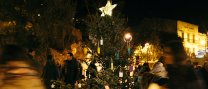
(107, 9)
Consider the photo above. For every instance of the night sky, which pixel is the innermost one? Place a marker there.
(195, 12)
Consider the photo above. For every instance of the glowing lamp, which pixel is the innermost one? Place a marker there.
(127, 37)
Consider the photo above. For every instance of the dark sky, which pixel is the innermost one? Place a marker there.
(195, 12)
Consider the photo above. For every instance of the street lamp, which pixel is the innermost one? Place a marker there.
(127, 39)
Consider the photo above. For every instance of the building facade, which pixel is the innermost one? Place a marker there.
(194, 42)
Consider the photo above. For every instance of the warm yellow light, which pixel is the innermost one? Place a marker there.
(107, 9)
(99, 66)
(84, 65)
(136, 52)
(96, 64)
(147, 44)
(146, 47)
(98, 50)
(202, 42)
(28, 25)
(85, 50)
(154, 86)
(131, 74)
(127, 37)
(107, 87)
(88, 56)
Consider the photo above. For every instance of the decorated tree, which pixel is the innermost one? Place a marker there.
(109, 67)
(48, 27)
(106, 31)
(148, 52)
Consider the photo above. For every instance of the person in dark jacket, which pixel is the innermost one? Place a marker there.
(71, 70)
(50, 71)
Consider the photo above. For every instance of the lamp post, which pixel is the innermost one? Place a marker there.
(127, 39)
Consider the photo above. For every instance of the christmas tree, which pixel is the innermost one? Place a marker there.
(46, 24)
(110, 65)
(106, 32)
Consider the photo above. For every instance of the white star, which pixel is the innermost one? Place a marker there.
(107, 9)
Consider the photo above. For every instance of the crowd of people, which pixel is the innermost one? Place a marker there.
(19, 70)
(173, 70)
(168, 76)
(69, 73)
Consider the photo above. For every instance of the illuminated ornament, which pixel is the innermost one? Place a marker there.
(98, 66)
(132, 74)
(101, 41)
(98, 50)
(120, 74)
(112, 65)
(107, 9)
(52, 86)
(85, 50)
